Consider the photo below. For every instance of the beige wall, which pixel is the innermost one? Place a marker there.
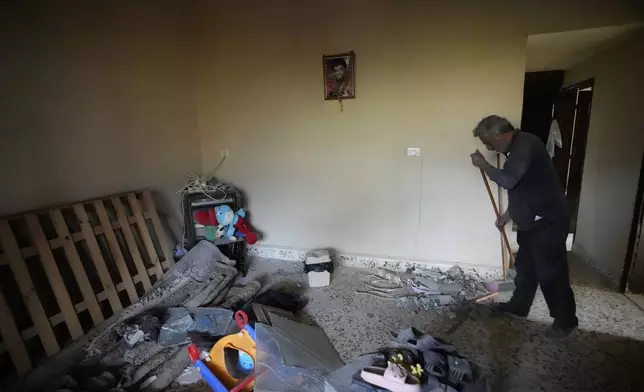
(426, 73)
(100, 97)
(614, 153)
(320, 177)
(95, 99)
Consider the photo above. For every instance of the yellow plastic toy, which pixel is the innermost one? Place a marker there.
(241, 341)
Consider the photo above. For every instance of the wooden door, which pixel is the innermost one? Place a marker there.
(578, 154)
(565, 107)
(633, 277)
(572, 112)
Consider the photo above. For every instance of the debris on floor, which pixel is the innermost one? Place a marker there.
(428, 289)
(419, 361)
(144, 344)
(144, 347)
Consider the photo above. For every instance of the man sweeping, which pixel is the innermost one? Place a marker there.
(537, 204)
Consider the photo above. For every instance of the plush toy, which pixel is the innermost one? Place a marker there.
(233, 223)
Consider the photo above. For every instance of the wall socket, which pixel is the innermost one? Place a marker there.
(413, 151)
(224, 153)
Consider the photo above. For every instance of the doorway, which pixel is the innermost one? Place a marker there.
(633, 276)
(572, 112)
(545, 100)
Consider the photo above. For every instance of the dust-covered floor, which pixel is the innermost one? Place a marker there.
(605, 354)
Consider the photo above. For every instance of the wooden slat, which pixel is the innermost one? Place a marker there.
(97, 257)
(54, 243)
(12, 340)
(59, 318)
(131, 243)
(27, 289)
(145, 234)
(53, 275)
(146, 219)
(116, 251)
(158, 227)
(76, 266)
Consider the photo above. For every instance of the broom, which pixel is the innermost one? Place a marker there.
(498, 217)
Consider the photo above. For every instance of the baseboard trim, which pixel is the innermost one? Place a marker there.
(372, 262)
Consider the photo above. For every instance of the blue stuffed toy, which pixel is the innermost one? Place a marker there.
(231, 224)
(229, 219)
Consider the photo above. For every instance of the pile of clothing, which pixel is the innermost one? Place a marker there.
(412, 362)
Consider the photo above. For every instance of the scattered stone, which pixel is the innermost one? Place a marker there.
(444, 300)
(455, 272)
(437, 289)
(429, 283)
(450, 288)
(175, 329)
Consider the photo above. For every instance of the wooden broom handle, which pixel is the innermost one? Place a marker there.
(498, 216)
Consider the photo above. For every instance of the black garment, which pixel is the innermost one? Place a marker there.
(542, 260)
(532, 182)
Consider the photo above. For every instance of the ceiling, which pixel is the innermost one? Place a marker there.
(563, 50)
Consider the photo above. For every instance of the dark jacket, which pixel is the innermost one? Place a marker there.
(532, 182)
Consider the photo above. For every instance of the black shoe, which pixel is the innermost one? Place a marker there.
(506, 309)
(556, 333)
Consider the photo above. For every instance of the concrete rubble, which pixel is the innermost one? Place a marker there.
(434, 289)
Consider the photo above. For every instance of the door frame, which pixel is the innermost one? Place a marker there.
(637, 229)
(581, 85)
(584, 84)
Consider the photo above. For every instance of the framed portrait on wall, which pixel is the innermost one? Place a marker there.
(339, 76)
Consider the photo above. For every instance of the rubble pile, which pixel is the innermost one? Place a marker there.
(452, 287)
(426, 289)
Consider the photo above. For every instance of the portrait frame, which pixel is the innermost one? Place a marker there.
(339, 76)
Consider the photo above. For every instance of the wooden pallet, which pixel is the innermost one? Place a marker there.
(64, 270)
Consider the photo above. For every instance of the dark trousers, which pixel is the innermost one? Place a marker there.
(542, 260)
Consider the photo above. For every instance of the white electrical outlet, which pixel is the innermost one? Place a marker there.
(224, 153)
(413, 151)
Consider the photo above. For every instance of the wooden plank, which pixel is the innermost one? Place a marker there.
(54, 243)
(145, 234)
(158, 227)
(59, 318)
(77, 266)
(97, 257)
(45, 209)
(53, 275)
(27, 289)
(131, 243)
(12, 339)
(116, 251)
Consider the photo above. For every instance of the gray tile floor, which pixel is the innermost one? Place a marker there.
(606, 354)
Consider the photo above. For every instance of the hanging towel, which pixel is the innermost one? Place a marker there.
(554, 138)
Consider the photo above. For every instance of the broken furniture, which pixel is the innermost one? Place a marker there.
(200, 276)
(79, 280)
(66, 269)
(196, 200)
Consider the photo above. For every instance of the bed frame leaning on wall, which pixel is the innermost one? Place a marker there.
(65, 269)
